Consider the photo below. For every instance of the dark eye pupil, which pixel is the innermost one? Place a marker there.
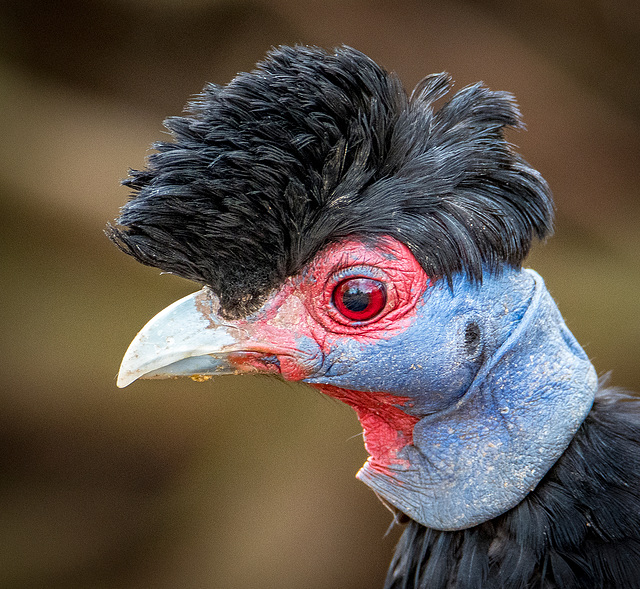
(356, 300)
(360, 299)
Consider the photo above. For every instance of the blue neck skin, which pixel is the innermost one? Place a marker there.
(500, 387)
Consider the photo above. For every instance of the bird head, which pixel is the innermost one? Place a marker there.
(353, 238)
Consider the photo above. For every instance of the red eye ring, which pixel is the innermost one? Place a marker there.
(360, 298)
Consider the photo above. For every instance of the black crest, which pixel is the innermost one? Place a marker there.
(312, 147)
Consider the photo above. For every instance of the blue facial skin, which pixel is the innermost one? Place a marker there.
(500, 386)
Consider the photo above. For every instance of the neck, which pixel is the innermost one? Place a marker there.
(583, 511)
(479, 457)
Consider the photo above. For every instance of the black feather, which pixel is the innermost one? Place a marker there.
(312, 147)
(579, 529)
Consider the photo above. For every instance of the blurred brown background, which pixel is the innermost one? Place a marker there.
(249, 483)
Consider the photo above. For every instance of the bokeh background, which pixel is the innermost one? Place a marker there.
(248, 483)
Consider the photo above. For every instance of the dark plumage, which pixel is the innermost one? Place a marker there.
(316, 177)
(312, 147)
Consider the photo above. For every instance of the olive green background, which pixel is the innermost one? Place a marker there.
(248, 482)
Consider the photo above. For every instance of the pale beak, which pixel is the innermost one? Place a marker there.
(188, 338)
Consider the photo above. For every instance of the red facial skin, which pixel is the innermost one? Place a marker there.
(387, 428)
(303, 310)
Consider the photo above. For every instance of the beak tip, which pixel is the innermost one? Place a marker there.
(125, 379)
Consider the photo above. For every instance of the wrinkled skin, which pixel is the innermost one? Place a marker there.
(450, 447)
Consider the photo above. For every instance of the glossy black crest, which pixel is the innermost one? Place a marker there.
(312, 147)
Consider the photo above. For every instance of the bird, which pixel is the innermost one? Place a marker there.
(370, 243)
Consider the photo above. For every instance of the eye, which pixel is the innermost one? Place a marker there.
(360, 299)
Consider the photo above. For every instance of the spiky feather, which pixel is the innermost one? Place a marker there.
(312, 147)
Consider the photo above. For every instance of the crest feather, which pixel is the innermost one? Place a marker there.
(312, 147)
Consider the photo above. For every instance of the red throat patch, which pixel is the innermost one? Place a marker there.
(387, 428)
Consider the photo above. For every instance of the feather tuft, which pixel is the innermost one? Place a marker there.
(313, 147)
